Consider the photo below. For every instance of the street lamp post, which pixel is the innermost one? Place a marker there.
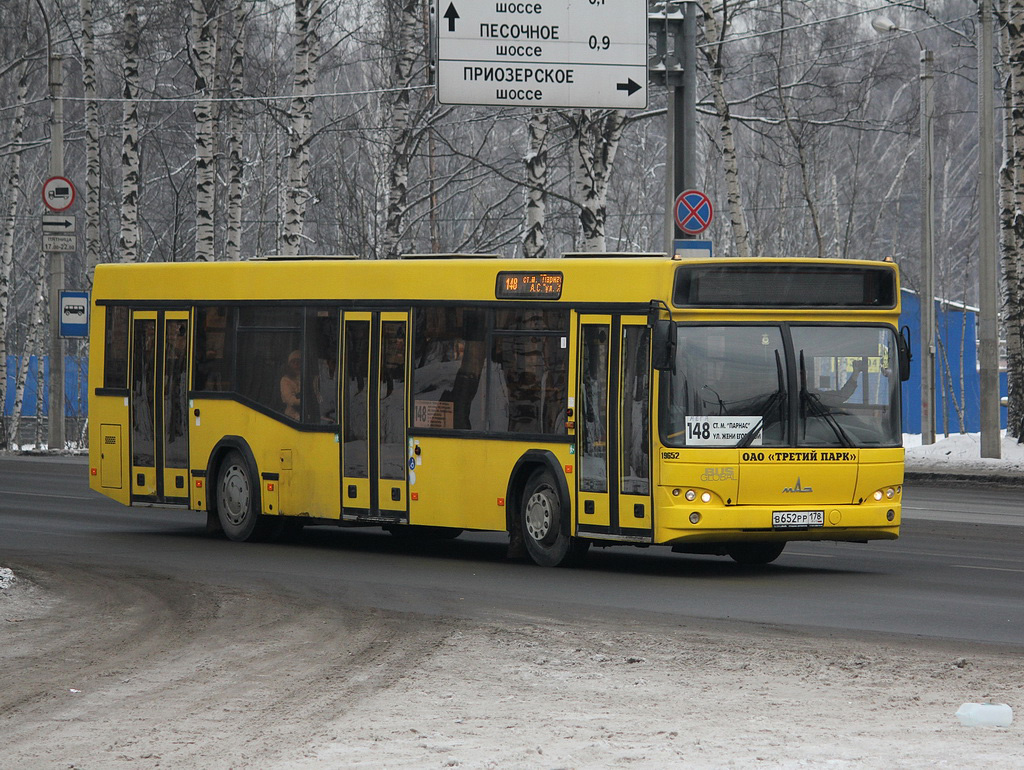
(927, 294)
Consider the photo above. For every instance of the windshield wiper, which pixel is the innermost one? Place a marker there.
(769, 405)
(819, 410)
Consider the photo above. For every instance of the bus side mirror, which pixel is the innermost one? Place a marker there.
(903, 345)
(663, 345)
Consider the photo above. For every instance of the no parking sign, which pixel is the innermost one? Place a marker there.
(693, 212)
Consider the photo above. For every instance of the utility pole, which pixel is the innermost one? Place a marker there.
(927, 295)
(674, 26)
(988, 277)
(55, 403)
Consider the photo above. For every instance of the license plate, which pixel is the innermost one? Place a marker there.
(797, 519)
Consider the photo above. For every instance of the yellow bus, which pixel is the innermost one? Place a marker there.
(715, 406)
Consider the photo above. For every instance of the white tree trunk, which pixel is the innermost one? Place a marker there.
(536, 163)
(10, 219)
(92, 142)
(236, 165)
(596, 140)
(297, 196)
(129, 239)
(32, 343)
(737, 219)
(400, 139)
(204, 56)
(1012, 219)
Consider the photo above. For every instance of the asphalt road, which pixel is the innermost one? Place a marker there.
(957, 572)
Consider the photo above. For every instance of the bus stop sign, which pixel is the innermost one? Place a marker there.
(693, 212)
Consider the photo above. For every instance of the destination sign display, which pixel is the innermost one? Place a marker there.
(553, 53)
(522, 283)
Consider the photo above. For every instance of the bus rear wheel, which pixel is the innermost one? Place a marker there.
(236, 501)
(544, 527)
(755, 554)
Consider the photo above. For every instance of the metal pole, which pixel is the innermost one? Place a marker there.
(988, 277)
(927, 295)
(55, 424)
(681, 165)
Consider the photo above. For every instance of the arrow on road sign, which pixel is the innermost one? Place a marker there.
(451, 14)
(630, 87)
(60, 223)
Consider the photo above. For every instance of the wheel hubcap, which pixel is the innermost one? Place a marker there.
(234, 495)
(538, 515)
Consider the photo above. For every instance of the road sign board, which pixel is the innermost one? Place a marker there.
(58, 193)
(59, 223)
(693, 211)
(55, 242)
(74, 314)
(552, 53)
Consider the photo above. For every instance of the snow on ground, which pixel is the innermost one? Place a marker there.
(961, 453)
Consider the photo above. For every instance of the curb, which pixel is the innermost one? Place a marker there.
(981, 478)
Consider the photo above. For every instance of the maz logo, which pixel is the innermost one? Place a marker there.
(798, 487)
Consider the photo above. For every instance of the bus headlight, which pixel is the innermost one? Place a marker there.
(695, 518)
(705, 497)
(690, 495)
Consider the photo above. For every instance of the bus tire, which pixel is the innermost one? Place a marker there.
(545, 526)
(755, 554)
(236, 498)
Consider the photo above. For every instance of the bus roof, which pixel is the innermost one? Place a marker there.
(611, 278)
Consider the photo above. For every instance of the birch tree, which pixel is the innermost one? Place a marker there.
(714, 52)
(1012, 214)
(129, 239)
(536, 167)
(297, 196)
(400, 139)
(92, 140)
(10, 224)
(596, 139)
(32, 343)
(204, 61)
(236, 165)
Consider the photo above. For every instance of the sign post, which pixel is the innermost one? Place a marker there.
(542, 53)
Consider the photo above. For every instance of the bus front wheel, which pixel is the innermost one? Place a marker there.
(755, 554)
(544, 528)
(236, 502)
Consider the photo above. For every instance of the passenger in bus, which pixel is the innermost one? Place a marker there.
(291, 386)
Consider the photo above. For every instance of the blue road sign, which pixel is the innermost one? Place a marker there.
(74, 314)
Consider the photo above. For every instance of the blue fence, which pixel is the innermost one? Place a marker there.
(955, 333)
(76, 377)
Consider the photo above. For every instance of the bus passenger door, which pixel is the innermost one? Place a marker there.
(374, 417)
(613, 428)
(159, 406)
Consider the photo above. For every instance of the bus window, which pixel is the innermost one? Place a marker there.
(449, 357)
(267, 338)
(321, 403)
(530, 372)
(594, 410)
(635, 458)
(392, 400)
(144, 394)
(115, 348)
(214, 330)
(354, 398)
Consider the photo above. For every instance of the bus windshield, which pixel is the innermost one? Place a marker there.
(782, 385)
